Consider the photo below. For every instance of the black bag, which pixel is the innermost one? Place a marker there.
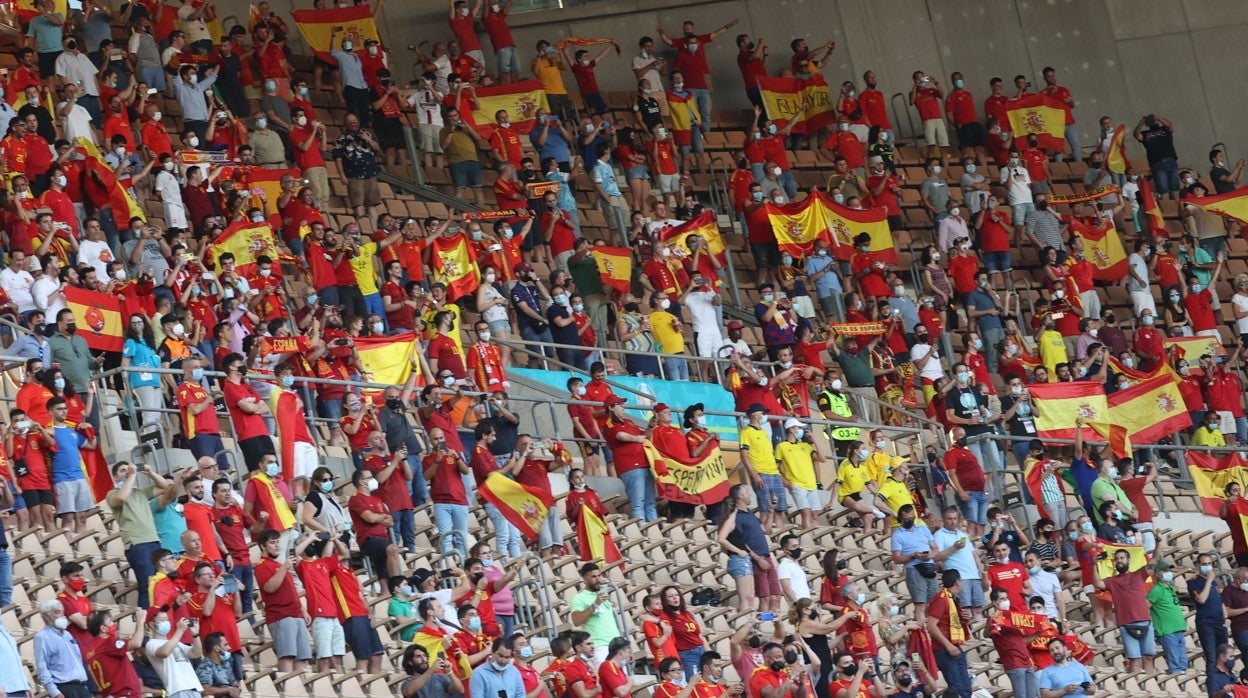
(1139, 630)
(20, 469)
(704, 597)
(927, 570)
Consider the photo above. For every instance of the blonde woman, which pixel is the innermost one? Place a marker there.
(893, 628)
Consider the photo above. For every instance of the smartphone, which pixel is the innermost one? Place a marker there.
(766, 615)
(257, 191)
(322, 535)
(915, 659)
(141, 467)
(151, 90)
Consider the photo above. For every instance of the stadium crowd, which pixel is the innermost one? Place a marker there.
(208, 558)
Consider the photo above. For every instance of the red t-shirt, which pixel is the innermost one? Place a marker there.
(305, 159)
(1130, 594)
(405, 317)
(846, 145)
(1011, 650)
(577, 670)
(764, 677)
(562, 236)
(1011, 577)
(230, 523)
(939, 608)
(108, 660)
(629, 456)
(751, 70)
(466, 32)
(246, 425)
(963, 269)
(75, 604)
(348, 598)
(496, 27)
(927, 102)
(483, 463)
(507, 142)
(888, 195)
(994, 231)
(692, 64)
(873, 107)
(221, 620)
(994, 107)
(316, 587)
(1223, 390)
(586, 81)
(872, 283)
(686, 631)
(611, 677)
(360, 503)
(1063, 95)
(1134, 489)
(283, 603)
(534, 475)
(653, 631)
(199, 519)
(960, 461)
(1200, 310)
(961, 106)
(773, 149)
(442, 349)
(1167, 270)
(31, 448)
(1037, 164)
(393, 491)
(445, 486)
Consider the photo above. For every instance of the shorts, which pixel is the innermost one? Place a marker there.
(327, 638)
(330, 409)
(73, 496)
(19, 503)
(896, 223)
(998, 262)
(34, 498)
(921, 588)
(362, 638)
(766, 582)
(363, 192)
(804, 499)
(773, 487)
(290, 639)
(254, 449)
(507, 60)
(638, 172)
(428, 138)
(976, 509)
(465, 174)
(497, 326)
(740, 566)
(306, 460)
(1133, 648)
(669, 183)
(1018, 212)
(766, 254)
(972, 594)
(971, 135)
(935, 133)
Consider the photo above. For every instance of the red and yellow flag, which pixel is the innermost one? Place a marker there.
(704, 481)
(783, 98)
(119, 197)
(1152, 212)
(1103, 248)
(98, 316)
(355, 23)
(525, 507)
(1212, 473)
(817, 217)
(1116, 159)
(1033, 475)
(1039, 115)
(615, 265)
(388, 359)
(248, 241)
(521, 100)
(259, 180)
(455, 265)
(1192, 348)
(704, 226)
(594, 538)
(1232, 205)
(1057, 405)
(96, 467)
(1105, 566)
(1150, 410)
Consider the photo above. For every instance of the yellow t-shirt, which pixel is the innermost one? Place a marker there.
(1203, 437)
(797, 464)
(1052, 351)
(896, 495)
(853, 478)
(761, 457)
(663, 325)
(548, 73)
(365, 271)
(878, 464)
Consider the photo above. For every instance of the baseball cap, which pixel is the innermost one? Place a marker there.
(875, 160)
(613, 399)
(735, 325)
(756, 407)
(421, 576)
(661, 407)
(168, 318)
(792, 423)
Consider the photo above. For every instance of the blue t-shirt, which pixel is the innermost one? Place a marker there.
(141, 356)
(170, 525)
(829, 283)
(67, 461)
(554, 147)
(565, 198)
(1211, 610)
(47, 35)
(982, 301)
(1057, 677)
(914, 540)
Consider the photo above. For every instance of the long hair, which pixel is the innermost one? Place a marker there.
(145, 335)
(678, 608)
(49, 382)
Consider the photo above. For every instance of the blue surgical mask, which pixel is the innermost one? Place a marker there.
(288, 381)
(1206, 569)
(272, 469)
(758, 195)
(312, 298)
(59, 383)
(525, 652)
(1087, 527)
(197, 374)
(163, 628)
(1167, 576)
(328, 487)
(1074, 535)
(474, 623)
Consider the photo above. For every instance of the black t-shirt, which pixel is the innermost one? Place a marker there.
(566, 334)
(648, 109)
(966, 403)
(1216, 174)
(1159, 144)
(1020, 424)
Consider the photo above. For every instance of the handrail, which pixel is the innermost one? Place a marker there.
(905, 102)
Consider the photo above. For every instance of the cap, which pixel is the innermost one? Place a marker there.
(523, 268)
(661, 407)
(735, 325)
(792, 423)
(756, 407)
(169, 318)
(693, 409)
(421, 576)
(1163, 565)
(875, 160)
(613, 399)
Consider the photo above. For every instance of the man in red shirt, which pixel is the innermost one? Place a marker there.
(283, 612)
(394, 477)
(691, 63)
(1061, 94)
(443, 468)
(967, 477)
(78, 607)
(624, 442)
(308, 140)
(614, 672)
(1199, 302)
(774, 676)
(217, 611)
(229, 520)
(353, 614)
(869, 269)
(1037, 164)
(443, 353)
(842, 143)
(925, 96)
(585, 427)
(1134, 489)
(1008, 576)
(752, 62)
(994, 104)
(534, 472)
(198, 514)
(506, 57)
(883, 186)
(463, 23)
(1129, 591)
(1234, 512)
(947, 624)
(505, 140)
(371, 520)
(874, 105)
(577, 669)
(1223, 391)
(108, 657)
(586, 80)
(960, 106)
(247, 412)
(317, 559)
(1011, 643)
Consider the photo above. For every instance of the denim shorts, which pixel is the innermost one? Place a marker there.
(1018, 212)
(975, 510)
(330, 409)
(998, 261)
(1134, 649)
(739, 566)
(497, 326)
(773, 486)
(465, 174)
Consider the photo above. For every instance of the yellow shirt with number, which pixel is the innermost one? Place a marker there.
(853, 478)
(896, 495)
(761, 457)
(365, 271)
(798, 464)
(1052, 351)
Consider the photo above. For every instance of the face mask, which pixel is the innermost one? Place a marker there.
(1034, 570)
(372, 50)
(1074, 535)
(178, 329)
(837, 384)
(881, 444)
(580, 391)
(168, 166)
(525, 652)
(1004, 604)
(379, 328)
(1013, 161)
(860, 598)
(302, 121)
(329, 487)
(779, 666)
(1206, 569)
(907, 523)
(346, 46)
(1113, 473)
(964, 376)
(936, 169)
(771, 128)
(776, 171)
(1167, 576)
(665, 304)
(474, 623)
(272, 469)
(1148, 320)
(288, 381)
(1196, 288)
(371, 484)
(1087, 527)
(799, 433)
(863, 453)
(59, 383)
(758, 195)
(1059, 294)
(162, 628)
(561, 299)
(844, 127)
(955, 211)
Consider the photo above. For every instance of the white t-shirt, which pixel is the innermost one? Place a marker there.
(175, 670)
(42, 290)
(97, 254)
(656, 80)
(798, 582)
(1019, 183)
(428, 106)
(171, 197)
(443, 71)
(1239, 300)
(17, 284)
(1129, 191)
(932, 370)
(77, 123)
(702, 311)
(1140, 267)
(1047, 586)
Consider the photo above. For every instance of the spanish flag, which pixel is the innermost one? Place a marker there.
(27, 10)
(1212, 473)
(356, 24)
(1152, 212)
(248, 241)
(257, 180)
(1192, 348)
(593, 538)
(1150, 410)
(1058, 404)
(521, 100)
(615, 264)
(1103, 248)
(1033, 475)
(1105, 566)
(704, 481)
(704, 226)
(119, 197)
(96, 467)
(1116, 159)
(388, 359)
(525, 507)
(783, 98)
(798, 225)
(98, 316)
(1232, 205)
(1039, 115)
(455, 265)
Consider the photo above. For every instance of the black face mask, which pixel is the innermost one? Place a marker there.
(71, 328)
(841, 564)
(1042, 205)
(905, 681)
(870, 86)
(776, 666)
(755, 642)
(394, 403)
(907, 523)
(631, 307)
(790, 657)
(850, 669)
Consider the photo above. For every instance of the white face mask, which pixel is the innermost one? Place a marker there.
(484, 336)
(302, 121)
(837, 384)
(156, 116)
(371, 484)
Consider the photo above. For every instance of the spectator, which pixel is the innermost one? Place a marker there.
(691, 62)
(443, 468)
(216, 610)
(169, 652)
(460, 142)
(914, 547)
(1065, 676)
(741, 536)
(610, 200)
(1168, 621)
(947, 624)
(499, 676)
(1131, 614)
(229, 520)
(371, 520)
(133, 515)
(967, 478)
(74, 500)
(108, 658)
(1157, 135)
(317, 558)
(247, 412)
(793, 581)
(594, 614)
(1210, 613)
(58, 661)
(426, 680)
(1005, 574)
(267, 500)
(214, 671)
(1045, 585)
(283, 612)
(355, 153)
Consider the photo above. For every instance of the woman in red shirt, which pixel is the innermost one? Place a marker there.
(830, 588)
(686, 631)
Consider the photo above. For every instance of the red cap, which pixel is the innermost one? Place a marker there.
(661, 407)
(735, 325)
(613, 399)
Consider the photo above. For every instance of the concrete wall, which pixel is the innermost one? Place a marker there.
(1122, 58)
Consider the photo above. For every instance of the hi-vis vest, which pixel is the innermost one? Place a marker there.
(839, 405)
